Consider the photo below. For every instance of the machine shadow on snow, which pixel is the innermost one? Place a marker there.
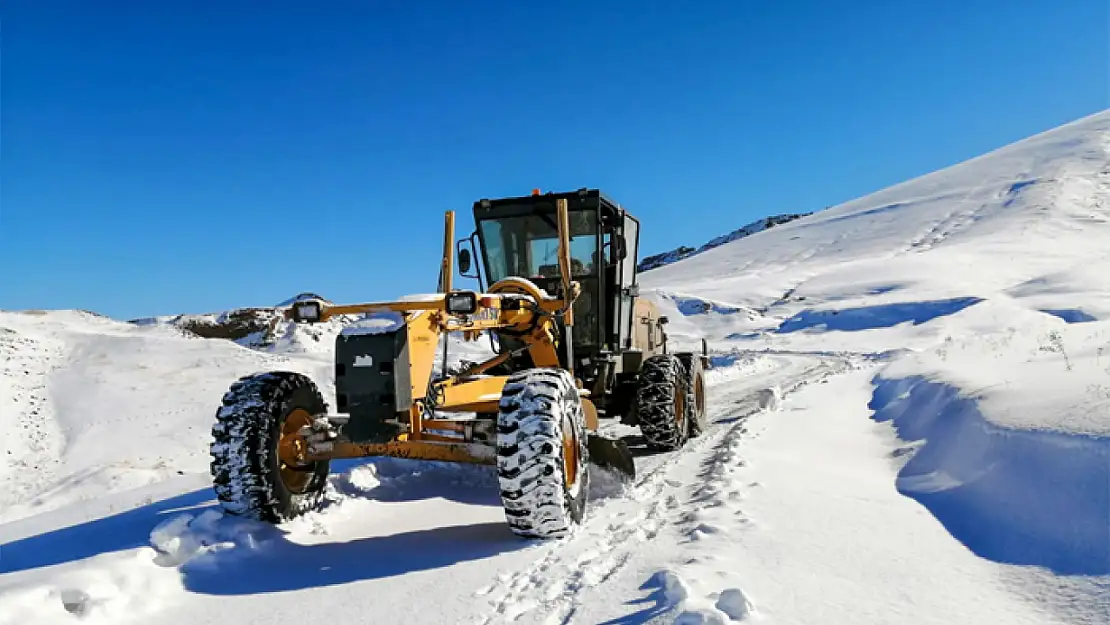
(1010, 496)
(285, 566)
(119, 532)
(241, 569)
(413, 480)
(237, 570)
(874, 317)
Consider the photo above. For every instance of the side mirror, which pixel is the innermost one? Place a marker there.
(464, 260)
(663, 320)
(465, 250)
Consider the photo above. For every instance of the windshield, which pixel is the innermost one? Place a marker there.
(527, 246)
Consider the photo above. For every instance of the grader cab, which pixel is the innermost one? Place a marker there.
(572, 342)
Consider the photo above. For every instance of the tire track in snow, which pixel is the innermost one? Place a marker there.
(620, 526)
(559, 575)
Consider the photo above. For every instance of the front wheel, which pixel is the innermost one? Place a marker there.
(542, 453)
(254, 438)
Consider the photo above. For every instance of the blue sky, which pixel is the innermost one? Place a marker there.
(165, 157)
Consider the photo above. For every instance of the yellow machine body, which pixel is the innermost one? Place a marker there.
(511, 304)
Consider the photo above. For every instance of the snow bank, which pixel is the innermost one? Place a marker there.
(1012, 496)
(1009, 437)
(1084, 289)
(875, 316)
(1031, 371)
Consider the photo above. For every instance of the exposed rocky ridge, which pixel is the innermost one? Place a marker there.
(684, 251)
(254, 327)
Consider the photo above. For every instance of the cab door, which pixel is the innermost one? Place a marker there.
(628, 287)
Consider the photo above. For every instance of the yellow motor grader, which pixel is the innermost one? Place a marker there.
(572, 341)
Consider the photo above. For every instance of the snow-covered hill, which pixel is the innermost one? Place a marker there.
(985, 288)
(262, 328)
(94, 406)
(911, 424)
(684, 251)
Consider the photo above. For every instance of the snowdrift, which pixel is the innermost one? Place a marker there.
(1014, 496)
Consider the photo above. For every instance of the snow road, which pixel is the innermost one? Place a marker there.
(622, 529)
(351, 554)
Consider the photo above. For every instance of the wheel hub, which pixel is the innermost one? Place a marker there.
(680, 406)
(292, 450)
(699, 395)
(570, 454)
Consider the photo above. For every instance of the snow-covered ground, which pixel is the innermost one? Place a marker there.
(911, 424)
(93, 406)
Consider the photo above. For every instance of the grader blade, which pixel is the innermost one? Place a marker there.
(611, 454)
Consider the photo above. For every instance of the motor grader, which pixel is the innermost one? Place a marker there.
(572, 341)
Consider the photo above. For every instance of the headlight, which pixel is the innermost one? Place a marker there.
(462, 303)
(306, 311)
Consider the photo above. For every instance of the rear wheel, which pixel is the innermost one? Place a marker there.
(695, 390)
(661, 400)
(542, 454)
(255, 443)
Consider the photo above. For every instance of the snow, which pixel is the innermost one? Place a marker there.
(374, 323)
(910, 423)
(421, 297)
(734, 603)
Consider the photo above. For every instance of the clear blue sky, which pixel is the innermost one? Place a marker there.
(187, 156)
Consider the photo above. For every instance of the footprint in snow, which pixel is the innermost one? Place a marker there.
(732, 605)
(700, 617)
(703, 530)
(735, 604)
(75, 601)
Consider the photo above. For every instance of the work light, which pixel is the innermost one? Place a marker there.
(462, 303)
(306, 312)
